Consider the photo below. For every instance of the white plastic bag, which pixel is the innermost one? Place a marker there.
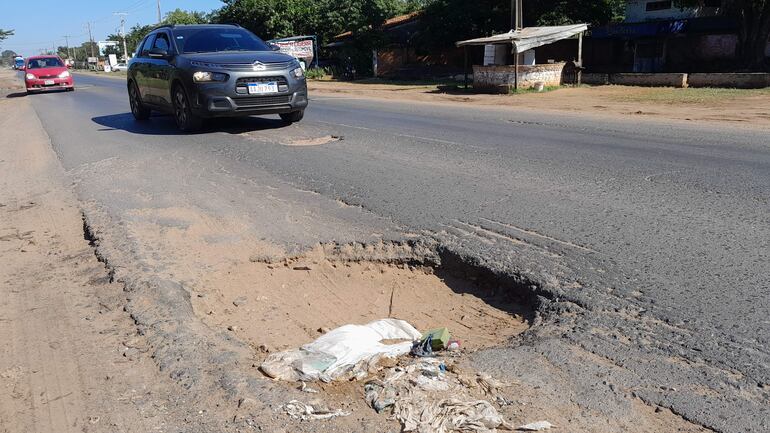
(349, 350)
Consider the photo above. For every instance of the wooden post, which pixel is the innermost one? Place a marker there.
(580, 59)
(466, 66)
(516, 69)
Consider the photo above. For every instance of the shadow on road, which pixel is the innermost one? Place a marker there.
(16, 95)
(160, 124)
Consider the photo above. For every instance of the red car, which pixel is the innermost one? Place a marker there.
(47, 73)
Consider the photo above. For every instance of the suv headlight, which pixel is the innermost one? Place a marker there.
(206, 76)
(298, 73)
(64, 74)
(31, 77)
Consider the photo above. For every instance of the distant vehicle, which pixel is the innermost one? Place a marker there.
(202, 71)
(18, 62)
(120, 67)
(47, 73)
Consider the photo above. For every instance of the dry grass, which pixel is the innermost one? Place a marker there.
(672, 96)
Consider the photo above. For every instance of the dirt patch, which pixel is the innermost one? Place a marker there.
(694, 105)
(295, 135)
(316, 141)
(292, 301)
(11, 83)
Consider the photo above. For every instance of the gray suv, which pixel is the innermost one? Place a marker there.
(203, 71)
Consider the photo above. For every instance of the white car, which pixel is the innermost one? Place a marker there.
(120, 67)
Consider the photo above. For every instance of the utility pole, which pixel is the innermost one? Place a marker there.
(122, 16)
(67, 41)
(159, 17)
(517, 15)
(90, 39)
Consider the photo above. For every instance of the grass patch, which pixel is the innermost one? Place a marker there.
(670, 95)
(546, 89)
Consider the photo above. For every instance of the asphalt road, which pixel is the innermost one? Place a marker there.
(651, 241)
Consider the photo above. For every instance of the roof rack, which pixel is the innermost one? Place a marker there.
(170, 26)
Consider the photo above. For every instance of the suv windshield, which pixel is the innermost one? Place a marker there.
(209, 40)
(48, 62)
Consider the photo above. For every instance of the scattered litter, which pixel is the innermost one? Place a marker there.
(453, 346)
(423, 348)
(440, 338)
(418, 394)
(301, 268)
(350, 351)
(298, 410)
(304, 388)
(536, 426)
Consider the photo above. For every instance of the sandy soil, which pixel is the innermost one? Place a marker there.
(71, 359)
(744, 108)
(257, 293)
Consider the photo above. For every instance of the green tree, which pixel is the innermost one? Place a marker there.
(323, 18)
(114, 49)
(179, 16)
(133, 36)
(447, 21)
(62, 52)
(753, 18)
(6, 57)
(4, 34)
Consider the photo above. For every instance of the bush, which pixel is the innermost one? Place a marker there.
(316, 73)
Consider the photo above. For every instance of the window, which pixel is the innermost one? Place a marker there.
(45, 62)
(209, 40)
(144, 46)
(161, 42)
(658, 6)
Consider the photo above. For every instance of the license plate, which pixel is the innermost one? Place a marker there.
(49, 82)
(261, 88)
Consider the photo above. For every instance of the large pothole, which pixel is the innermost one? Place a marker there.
(277, 304)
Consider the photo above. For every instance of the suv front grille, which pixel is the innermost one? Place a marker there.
(260, 101)
(243, 82)
(250, 66)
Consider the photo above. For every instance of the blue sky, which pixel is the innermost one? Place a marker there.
(42, 23)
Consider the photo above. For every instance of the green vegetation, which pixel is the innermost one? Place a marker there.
(546, 89)
(447, 21)
(442, 24)
(317, 73)
(4, 34)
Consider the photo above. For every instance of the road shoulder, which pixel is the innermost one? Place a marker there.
(72, 360)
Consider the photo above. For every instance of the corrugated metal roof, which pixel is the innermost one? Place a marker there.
(529, 37)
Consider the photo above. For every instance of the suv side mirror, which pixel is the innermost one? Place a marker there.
(275, 47)
(158, 53)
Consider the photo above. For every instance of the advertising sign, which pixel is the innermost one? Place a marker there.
(113, 59)
(299, 47)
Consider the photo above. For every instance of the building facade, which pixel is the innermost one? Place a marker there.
(659, 36)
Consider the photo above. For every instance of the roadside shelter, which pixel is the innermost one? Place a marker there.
(497, 72)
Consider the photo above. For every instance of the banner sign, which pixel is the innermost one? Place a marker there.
(302, 49)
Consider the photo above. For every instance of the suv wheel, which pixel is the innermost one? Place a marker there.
(186, 121)
(294, 116)
(138, 109)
